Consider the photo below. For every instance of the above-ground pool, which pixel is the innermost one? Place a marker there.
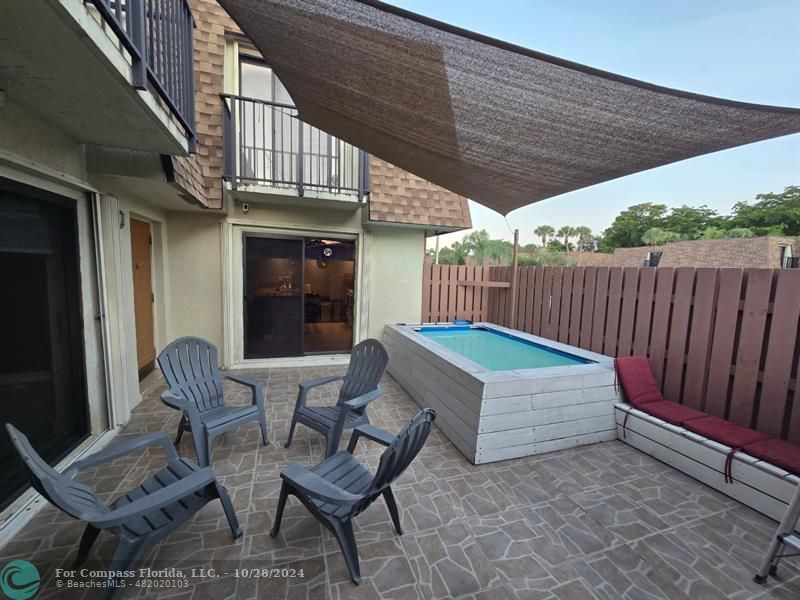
(501, 393)
(497, 350)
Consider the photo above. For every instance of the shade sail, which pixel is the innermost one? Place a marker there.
(497, 123)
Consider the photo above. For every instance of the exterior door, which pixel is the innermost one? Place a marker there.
(42, 377)
(141, 257)
(273, 297)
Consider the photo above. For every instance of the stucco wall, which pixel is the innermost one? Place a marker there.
(395, 286)
(28, 137)
(195, 276)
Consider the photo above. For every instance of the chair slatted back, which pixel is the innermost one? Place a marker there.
(189, 364)
(75, 499)
(403, 450)
(368, 362)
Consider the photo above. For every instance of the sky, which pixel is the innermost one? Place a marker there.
(740, 50)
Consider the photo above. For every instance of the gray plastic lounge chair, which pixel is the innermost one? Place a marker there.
(340, 488)
(368, 361)
(189, 365)
(140, 518)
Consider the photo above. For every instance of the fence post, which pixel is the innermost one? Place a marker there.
(512, 320)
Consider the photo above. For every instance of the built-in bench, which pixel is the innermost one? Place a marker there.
(745, 468)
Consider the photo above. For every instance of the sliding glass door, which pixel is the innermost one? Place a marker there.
(298, 295)
(329, 273)
(273, 299)
(42, 377)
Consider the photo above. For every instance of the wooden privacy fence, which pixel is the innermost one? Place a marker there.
(726, 341)
(451, 292)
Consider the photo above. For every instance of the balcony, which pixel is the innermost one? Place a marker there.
(115, 73)
(270, 154)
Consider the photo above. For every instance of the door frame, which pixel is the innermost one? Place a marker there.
(232, 238)
(148, 368)
(75, 313)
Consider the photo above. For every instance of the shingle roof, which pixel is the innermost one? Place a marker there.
(398, 196)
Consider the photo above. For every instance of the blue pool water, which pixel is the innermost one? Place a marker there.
(498, 351)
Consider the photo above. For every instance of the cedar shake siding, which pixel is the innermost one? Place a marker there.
(200, 175)
(398, 196)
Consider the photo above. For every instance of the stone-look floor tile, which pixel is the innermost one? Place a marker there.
(449, 563)
(617, 511)
(714, 557)
(305, 578)
(605, 521)
(564, 531)
(384, 566)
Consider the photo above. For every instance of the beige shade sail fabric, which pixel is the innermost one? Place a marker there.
(497, 123)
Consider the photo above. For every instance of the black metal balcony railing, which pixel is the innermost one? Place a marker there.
(266, 143)
(158, 35)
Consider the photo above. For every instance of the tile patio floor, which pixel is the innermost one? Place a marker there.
(598, 522)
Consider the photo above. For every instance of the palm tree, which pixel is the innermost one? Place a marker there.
(566, 232)
(544, 232)
(584, 237)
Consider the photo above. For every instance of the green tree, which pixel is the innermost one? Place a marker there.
(690, 221)
(739, 232)
(544, 232)
(713, 233)
(771, 213)
(556, 246)
(485, 250)
(497, 252)
(451, 256)
(586, 241)
(629, 226)
(655, 236)
(542, 257)
(565, 233)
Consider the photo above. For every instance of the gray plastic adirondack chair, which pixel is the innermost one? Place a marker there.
(189, 365)
(340, 488)
(368, 362)
(140, 518)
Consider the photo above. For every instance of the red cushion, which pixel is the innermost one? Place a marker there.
(671, 412)
(777, 452)
(725, 432)
(637, 380)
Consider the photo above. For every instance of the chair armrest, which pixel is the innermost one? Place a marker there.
(312, 484)
(174, 401)
(312, 383)
(255, 385)
(364, 399)
(121, 449)
(243, 380)
(305, 386)
(163, 497)
(376, 434)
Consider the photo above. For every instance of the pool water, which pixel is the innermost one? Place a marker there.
(497, 351)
